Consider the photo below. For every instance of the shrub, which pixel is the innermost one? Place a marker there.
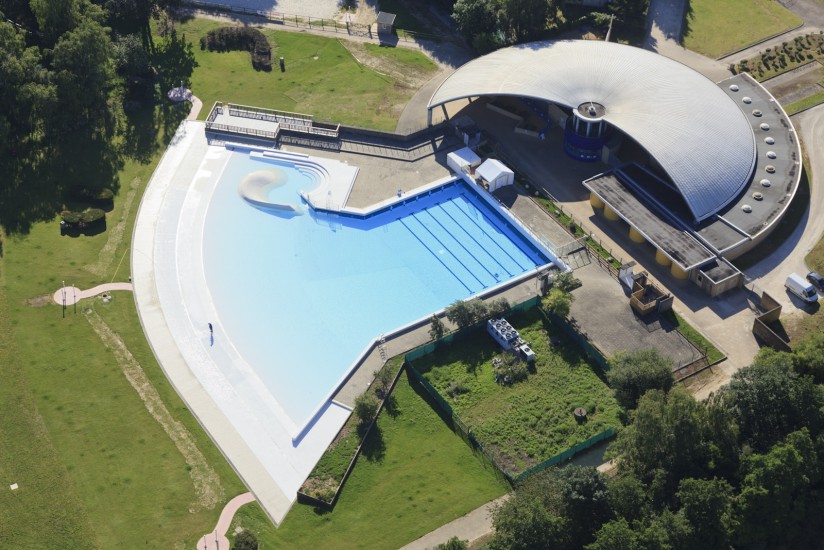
(240, 38)
(558, 302)
(634, 373)
(436, 328)
(566, 281)
(245, 540)
(366, 407)
(82, 219)
(510, 370)
(456, 388)
(383, 379)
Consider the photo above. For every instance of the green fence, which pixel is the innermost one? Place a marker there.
(426, 349)
(466, 431)
(589, 348)
(566, 455)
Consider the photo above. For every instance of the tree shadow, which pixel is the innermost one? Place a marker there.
(374, 448)
(37, 183)
(390, 407)
(174, 60)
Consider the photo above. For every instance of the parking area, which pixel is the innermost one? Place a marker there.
(602, 312)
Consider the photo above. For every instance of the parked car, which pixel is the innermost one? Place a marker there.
(796, 284)
(816, 279)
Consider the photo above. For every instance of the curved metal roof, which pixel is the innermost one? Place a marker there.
(685, 121)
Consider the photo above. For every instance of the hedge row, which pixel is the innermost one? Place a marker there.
(82, 219)
(240, 38)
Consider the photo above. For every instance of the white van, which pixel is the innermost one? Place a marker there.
(799, 286)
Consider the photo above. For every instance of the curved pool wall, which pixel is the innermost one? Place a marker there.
(280, 284)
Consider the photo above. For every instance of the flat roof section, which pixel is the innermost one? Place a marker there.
(777, 147)
(678, 245)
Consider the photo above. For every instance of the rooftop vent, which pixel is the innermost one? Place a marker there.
(765, 126)
(757, 196)
(746, 99)
(746, 208)
(765, 183)
(756, 112)
(771, 154)
(733, 87)
(770, 168)
(769, 141)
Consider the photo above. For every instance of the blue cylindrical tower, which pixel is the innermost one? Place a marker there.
(586, 132)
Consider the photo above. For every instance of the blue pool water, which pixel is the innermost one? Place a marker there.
(302, 296)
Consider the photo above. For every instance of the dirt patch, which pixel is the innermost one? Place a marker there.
(209, 492)
(106, 254)
(388, 66)
(39, 301)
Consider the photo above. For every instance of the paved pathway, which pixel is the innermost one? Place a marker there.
(471, 527)
(217, 538)
(74, 294)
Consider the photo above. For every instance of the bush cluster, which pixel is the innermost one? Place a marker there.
(82, 219)
(240, 38)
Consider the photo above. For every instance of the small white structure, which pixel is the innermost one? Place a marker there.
(495, 174)
(463, 161)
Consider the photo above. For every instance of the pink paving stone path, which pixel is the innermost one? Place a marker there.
(217, 538)
(74, 294)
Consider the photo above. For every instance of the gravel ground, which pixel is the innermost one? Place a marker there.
(306, 8)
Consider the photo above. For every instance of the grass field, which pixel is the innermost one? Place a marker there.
(322, 78)
(718, 27)
(95, 469)
(414, 475)
(806, 103)
(530, 421)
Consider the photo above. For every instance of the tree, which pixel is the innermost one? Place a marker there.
(615, 534)
(525, 19)
(585, 502)
(558, 302)
(775, 490)
(476, 17)
(84, 73)
(627, 497)
(808, 357)
(769, 400)
(526, 524)
(466, 313)
(707, 506)
(666, 442)
(453, 544)
(366, 407)
(245, 540)
(630, 11)
(436, 328)
(633, 373)
(55, 17)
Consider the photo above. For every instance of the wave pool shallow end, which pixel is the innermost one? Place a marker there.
(280, 285)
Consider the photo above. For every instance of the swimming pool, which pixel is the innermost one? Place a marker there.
(302, 293)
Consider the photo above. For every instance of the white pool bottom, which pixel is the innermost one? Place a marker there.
(174, 306)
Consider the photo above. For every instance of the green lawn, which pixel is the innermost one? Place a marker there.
(806, 103)
(414, 475)
(718, 27)
(322, 78)
(530, 421)
(96, 470)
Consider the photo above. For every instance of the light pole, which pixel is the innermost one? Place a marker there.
(74, 294)
(64, 299)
